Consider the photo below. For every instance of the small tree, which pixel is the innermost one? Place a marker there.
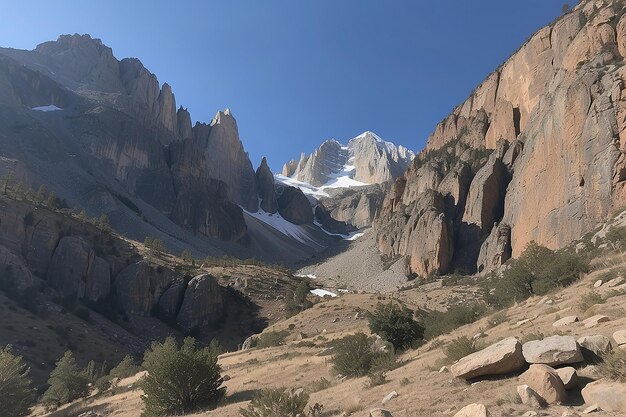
(67, 382)
(396, 325)
(53, 201)
(40, 195)
(125, 368)
(15, 392)
(180, 380)
(186, 256)
(278, 402)
(353, 355)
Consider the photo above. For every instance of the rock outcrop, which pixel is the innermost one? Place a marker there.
(265, 188)
(294, 206)
(356, 206)
(496, 249)
(203, 303)
(500, 358)
(553, 350)
(14, 274)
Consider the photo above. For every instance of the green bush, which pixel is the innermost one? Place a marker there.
(459, 348)
(353, 355)
(180, 380)
(589, 300)
(396, 325)
(437, 323)
(15, 392)
(67, 382)
(536, 272)
(297, 301)
(127, 367)
(613, 365)
(278, 402)
(270, 339)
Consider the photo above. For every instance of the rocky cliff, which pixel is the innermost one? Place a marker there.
(552, 117)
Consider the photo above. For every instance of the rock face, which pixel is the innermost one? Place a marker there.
(546, 382)
(14, 274)
(561, 95)
(357, 206)
(496, 249)
(203, 303)
(367, 159)
(294, 207)
(553, 350)
(265, 188)
(139, 287)
(500, 358)
(609, 396)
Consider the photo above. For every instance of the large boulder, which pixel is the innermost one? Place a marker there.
(545, 381)
(203, 303)
(501, 358)
(596, 346)
(170, 301)
(294, 207)
(473, 410)
(553, 350)
(609, 396)
(568, 376)
(529, 396)
(139, 286)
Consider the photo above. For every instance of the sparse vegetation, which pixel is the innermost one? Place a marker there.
(589, 300)
(459, 348)
(278, 402)
(296, 301)
(437, 323)
(180, 380)
(15, 392)
(613, 365)
(355, 356)
(396, 325)
(376, 379)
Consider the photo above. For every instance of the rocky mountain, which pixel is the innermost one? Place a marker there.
(106, 137)
(551, 121)
(366, 159)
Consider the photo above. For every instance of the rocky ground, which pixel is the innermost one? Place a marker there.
(422, 386)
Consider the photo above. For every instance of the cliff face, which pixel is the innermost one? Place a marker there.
(553, 116)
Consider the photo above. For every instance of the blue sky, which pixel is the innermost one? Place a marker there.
(295, 72)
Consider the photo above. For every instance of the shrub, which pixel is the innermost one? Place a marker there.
(270, 339)
(459, 348)
(589, 300)
(180, 380)
(376, 379)
(278, 402)
(353, 355)
(127, 367)
(319, 385)
(437, 323)
(536, 272)
(296, 301)
(613, 365)
(396, 325)
(67, 382)
(15, 391)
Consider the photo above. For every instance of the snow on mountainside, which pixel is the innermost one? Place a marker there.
(367, 159)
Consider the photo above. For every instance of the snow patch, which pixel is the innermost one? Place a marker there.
(285, 227)
(323, 293)
(48, 108)
(310, 276)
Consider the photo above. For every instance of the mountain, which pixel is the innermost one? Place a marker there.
(536, 153)
(366, 159)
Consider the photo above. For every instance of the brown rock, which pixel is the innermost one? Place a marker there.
(546, 382)
(620, 337)
(597, 345)
(621, 36)
(595, 320)
(502, 125)
(500, 358)
(565, 321)
(569, 376)
(473, 410)
(553, 350)
(496, 249)
(529, 397)
(609, 396)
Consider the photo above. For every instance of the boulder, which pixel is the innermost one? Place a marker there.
(69, 266)
(621, 36)
(294, 207)
(565, 321)
(598, 283)
(473, 410)
(265, 188)
(139, 286)
(529, 397)
(545, 381)
(568, 376)
(170, 301)
(389, 397)
(500, 358)
(250, 342)
(595, 346)
(203, 303)
(608, 395)
(553, 350)
(615, 282)
(620, 337)
(379, 412)
(595, 320)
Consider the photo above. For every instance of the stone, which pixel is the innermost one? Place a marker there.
(500, 358)
(389, 397)
(621, 36)
(265, 188)
(620, 337)
(379, 412)
(553, 350)
(595, 320)
(250, 342)
(591, 409)
(565, 321)
(529, 397)
(615, 282)
(597, 345)
(443, 369)
(473, 410)
(203, 303)
(598, 284)
(496, 249)
(569, 376)
(545, 381)
(607, 395)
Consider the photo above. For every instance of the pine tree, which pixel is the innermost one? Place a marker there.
(16, 396)
(67, 382)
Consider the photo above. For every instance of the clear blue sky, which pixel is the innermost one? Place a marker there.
(298, 72)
